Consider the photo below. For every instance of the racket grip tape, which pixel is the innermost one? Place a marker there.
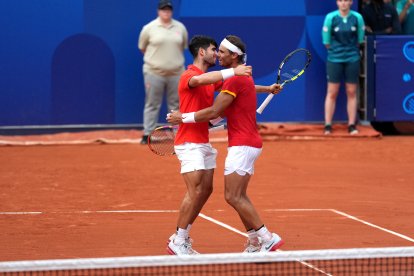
(215, 121)
(265, 103)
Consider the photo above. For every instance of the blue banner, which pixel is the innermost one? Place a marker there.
(394, 80)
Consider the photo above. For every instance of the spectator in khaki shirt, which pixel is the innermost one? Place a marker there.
(162, 41)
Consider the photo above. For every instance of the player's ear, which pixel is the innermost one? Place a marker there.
(201, 52)
(235, 55)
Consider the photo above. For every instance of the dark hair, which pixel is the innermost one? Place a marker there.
(240, 44)
(200, 41)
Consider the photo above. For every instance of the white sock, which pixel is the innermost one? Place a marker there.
(182, 235)
(263, 233)
(253, 237)
(188, 228)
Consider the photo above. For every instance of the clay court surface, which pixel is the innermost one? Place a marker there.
(113, 200)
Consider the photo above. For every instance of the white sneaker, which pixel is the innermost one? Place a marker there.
(181, 249)
(251, 247)
(171, 238)
(271, 245)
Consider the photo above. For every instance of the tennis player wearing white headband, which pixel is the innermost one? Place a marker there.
(237, 101)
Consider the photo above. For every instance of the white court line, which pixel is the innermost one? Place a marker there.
(373, 225)
(222, 224)
(89, 212)
(21, 213)
(309, 265)
(211, 219)
(349, 217)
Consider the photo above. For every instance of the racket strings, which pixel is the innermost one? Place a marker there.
(161, 141)
(294, 65)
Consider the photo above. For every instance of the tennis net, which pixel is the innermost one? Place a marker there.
(363, 261)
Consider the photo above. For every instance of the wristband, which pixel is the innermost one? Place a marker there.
(227, 73)
(188, 117)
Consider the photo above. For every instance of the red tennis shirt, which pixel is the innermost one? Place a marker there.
(241, 114)
(193, 99)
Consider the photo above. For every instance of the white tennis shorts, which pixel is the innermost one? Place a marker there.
(194, 156)
(241, 159)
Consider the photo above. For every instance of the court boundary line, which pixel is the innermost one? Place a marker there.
(335, 211)
(348, 216)
(224, 225)
(309, 265)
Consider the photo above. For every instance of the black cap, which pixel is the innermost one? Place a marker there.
(164, 4)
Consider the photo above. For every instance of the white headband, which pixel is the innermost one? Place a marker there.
(230, 46)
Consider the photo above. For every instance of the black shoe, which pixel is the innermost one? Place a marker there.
(144, 140)
(327, 130)
(352, 130)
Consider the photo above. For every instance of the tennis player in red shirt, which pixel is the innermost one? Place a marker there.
(196, 155)
(237, 101)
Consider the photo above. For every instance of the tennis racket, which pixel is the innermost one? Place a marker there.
(161, 139)
(291, 68)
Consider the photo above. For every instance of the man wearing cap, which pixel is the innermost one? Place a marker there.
(162, 41)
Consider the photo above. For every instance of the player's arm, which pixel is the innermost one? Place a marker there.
(221, 102)
(274, 88)
(216, 76)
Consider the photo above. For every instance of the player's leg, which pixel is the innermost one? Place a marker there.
(181, 243)
(206, 187)
(239, 167)
(191, 207)
(199, 182)
(260, 239)
(199, 188)
(235, 186)
(203, 193)
(154, 91)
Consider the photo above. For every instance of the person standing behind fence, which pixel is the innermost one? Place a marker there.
(162, 41)
(405, 9)
(343, 31)
(381, 18)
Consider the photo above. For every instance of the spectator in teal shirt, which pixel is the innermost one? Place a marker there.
(405, 9)
(343, 32)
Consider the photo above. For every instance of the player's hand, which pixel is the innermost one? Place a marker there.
(175, 117)
(275, 88)
(243, 70)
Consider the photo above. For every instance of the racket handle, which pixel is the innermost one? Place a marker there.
(265, 103)
(216, 121)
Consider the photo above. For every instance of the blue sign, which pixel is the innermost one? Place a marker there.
(394, 97)
(408, 104)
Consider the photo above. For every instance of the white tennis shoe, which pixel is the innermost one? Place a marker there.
(251, 247)
(181, 249)
(171, 238)
(273, 244)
